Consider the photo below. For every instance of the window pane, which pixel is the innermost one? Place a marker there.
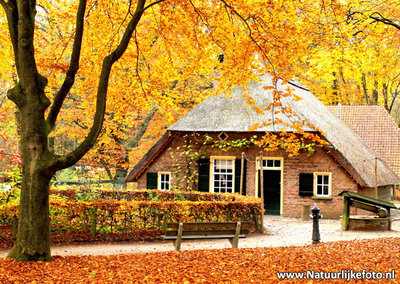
(319, 190)
(270, 163)
(319, 179)
(326, 179)
(326, 190)
(277, 163)
(223, 175)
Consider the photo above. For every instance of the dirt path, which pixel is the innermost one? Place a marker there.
(279, 232)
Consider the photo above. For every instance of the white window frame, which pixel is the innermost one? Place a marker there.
(322, 196)
(266, 167)
(159, 182)
(212, 174)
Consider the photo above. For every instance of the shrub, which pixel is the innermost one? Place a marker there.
(128, 211)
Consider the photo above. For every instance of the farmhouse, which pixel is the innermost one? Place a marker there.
(211, 149)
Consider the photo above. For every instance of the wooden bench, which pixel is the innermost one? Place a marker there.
(207, 230)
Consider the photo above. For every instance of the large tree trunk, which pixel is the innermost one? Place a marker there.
(33, 235)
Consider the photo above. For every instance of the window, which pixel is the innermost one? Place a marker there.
(164, 180)
(270, 163)
(322, 184)
(222, 170)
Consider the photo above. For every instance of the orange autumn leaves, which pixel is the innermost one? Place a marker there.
(212, 266)
(170, 64)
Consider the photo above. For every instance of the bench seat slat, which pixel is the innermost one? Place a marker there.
(206, 232)
(214, 225)
(203, 237)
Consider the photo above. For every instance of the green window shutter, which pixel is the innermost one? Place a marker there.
(204, 174)
(151, 180)
(238, 170)
(306, 184)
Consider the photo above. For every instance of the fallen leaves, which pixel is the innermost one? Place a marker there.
(211, 266)
(7, 240)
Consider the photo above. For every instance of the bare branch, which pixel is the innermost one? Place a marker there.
(152, 4)
(65, 161)
(73, 67)
(137, 65)
(382, 19)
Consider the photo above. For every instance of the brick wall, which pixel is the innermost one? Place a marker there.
(176, 158)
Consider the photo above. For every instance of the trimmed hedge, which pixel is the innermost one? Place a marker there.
(146, 195)
(138, 210)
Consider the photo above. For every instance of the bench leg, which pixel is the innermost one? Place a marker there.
(179, 238)
(235, 240)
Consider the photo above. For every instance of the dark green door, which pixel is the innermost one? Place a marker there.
(272, 192)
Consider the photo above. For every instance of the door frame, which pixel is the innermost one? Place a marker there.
(257, 168)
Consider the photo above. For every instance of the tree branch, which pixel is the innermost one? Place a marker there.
(152, 4)
(246, 24)
(12, 19)
(70, 159)
(384, 20)
(73, 67)
(142, 128)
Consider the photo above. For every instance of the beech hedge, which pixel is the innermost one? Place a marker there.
(130, 211)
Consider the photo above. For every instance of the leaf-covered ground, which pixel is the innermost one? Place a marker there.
(7, 240)
(211, 266)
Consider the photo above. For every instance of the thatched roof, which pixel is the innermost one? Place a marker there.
(220, 113)
(376, 128)
(234, 114)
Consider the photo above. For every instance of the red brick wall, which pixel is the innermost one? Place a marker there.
(181, 166)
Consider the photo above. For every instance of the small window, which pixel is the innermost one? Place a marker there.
(322, 184)
(223, 175)
(164, 180)
(274, 163)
